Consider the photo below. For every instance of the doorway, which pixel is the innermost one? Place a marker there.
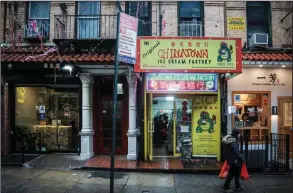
(168, 123)
(285, 117)
(162, 113)
(104, 130)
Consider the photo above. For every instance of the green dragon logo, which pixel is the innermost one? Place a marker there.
(205, 123)
(225, 53)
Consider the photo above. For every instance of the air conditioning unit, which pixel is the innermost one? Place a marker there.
(259, 39)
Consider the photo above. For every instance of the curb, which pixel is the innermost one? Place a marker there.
(30, 164)
(173, 171)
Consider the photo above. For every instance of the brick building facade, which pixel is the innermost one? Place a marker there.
(164, 20)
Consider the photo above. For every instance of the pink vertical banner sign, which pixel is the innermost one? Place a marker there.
(127, 38)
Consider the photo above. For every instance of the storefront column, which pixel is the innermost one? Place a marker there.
(86, 131)
(132, 130)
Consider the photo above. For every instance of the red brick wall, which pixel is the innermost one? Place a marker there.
(5, 121)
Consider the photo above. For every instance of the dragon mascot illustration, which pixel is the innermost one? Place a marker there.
(225, 52)
(205, 123)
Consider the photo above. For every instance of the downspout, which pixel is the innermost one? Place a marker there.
(160, 20)
(4, 21)
(225, 19)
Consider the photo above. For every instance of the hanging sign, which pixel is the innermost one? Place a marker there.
(127, 38)
(175, 82)
(42, 109)
(42, 116)
(206, 126)
(188, 54)
(236, 23)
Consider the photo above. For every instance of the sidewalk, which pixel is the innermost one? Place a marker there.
(18, 180)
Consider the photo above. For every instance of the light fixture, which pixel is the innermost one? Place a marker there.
(283, 66)
(274, 110)
(169, 98)
(120, 88)
(261, 65)
(67, 67)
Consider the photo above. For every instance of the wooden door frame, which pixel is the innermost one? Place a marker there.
(98, 116)
(280, 99)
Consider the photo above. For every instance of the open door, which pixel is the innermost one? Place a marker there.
(150, 126)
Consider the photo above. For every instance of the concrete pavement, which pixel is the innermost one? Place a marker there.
(19, 180)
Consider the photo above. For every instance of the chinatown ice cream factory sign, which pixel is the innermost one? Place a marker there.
(187, 82)
(188, 54)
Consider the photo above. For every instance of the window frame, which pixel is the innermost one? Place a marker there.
(149, 17)
(268, 9)
(28, 16)
(269, 102)
(29, 11)
(191, 17)
(94, 16)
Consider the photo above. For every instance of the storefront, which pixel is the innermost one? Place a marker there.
(65, 105)
(263, 101)
(44, 108)
(182, 98)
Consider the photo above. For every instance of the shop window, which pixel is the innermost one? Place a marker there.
(143, 11)
(190, 14)
(88, 22)
(48, 117)
(38, 19)
(252, 113)
(259, 19)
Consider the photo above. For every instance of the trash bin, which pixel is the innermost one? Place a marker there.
(186, 149)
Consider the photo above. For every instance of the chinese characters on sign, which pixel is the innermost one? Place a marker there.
(271, 80)
(188, 55)
(166, 82)
(127, 38)
(236, 23)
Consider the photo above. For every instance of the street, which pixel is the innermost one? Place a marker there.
(19, 180)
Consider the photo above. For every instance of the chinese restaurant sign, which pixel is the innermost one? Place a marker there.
(195, 82)
(188, 54)
(236, 23)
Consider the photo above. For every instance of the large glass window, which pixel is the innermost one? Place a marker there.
(88, 24)
(252, 113)
(143, 11)
(190, 18)
(49, 118)
(39, 19)
(258, 18)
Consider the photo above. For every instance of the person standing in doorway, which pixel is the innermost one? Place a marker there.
(234, 160)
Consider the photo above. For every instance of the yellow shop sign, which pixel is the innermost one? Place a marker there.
(236, 23)
(188, 54)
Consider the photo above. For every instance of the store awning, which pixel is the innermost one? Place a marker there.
(267, 59)
(50, 55)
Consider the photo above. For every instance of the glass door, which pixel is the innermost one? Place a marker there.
(163, 125)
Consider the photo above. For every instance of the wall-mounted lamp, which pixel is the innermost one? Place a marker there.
(120, 88)
(274, 110)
